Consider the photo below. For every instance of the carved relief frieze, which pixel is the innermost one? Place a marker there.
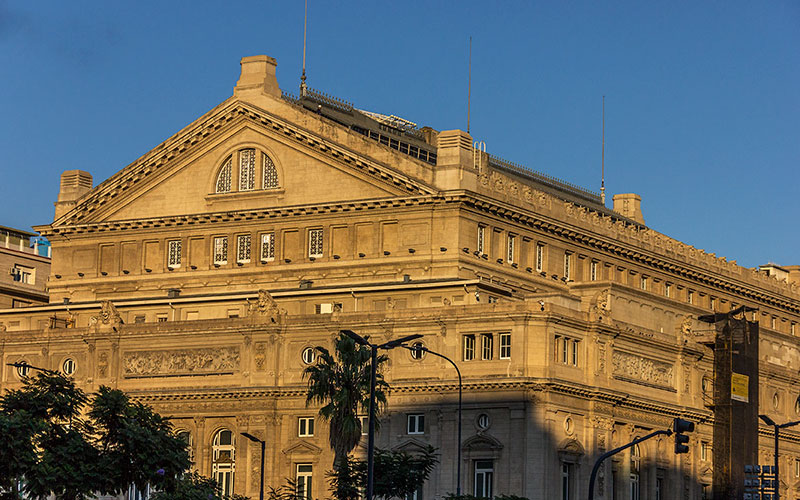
(637, 368)
(180, 362)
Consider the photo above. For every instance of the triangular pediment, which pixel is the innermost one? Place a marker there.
(292, 165)
(302, 448)
(411, 446)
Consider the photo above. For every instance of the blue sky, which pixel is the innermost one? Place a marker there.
(702, 101)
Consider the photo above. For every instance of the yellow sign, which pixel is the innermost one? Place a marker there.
(739, 387)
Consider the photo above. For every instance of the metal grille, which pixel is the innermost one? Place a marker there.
(270, 174)
(539, 257)
(481, 239)
(267, 247)
(174, 257)
(224, 178)
(220, 250)
(243, 248)
(315, 243)
(512, 240)
(247, 169)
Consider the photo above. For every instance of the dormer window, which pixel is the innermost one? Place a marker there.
(247, 176)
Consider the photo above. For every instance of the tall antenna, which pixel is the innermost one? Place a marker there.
(603, 158)
(303, 76)
(469, 84)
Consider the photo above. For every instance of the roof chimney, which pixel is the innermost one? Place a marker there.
(74, 184)
(629, 205)
(258, 73)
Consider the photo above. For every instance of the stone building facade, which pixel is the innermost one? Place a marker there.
(25, 269)
(199, 277)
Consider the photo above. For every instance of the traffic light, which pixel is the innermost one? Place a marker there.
(679, 426)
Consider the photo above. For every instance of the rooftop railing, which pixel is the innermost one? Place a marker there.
(543, 178)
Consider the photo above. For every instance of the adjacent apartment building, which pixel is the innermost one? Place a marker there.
(25, 264)
(200, 277)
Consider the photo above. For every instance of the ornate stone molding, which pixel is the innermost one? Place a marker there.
(634, 368)
(218, 360)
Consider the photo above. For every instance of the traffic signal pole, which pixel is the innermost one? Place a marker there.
(679, 426)
(607, 454)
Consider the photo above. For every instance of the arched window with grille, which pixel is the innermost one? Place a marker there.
(224, 177)
(223, 464)
(636, 463)
(247, 169)
(270, 174)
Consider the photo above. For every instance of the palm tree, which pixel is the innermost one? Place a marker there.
(341, 385)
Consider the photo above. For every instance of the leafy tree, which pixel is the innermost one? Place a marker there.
(195, 487)
(341, 384)
(397, 473)
(62, 442)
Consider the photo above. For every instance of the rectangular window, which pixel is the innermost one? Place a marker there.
(705, 450)
(315, 243)
(772, 322)
(138, 319)
(593, 271)
(667, 289)
(505, 346)
(303, 481)
(797, 467)
(643, 282)
(566, 481)
(567, 265)
(539, 257)
(364, 424)
(416, 423)
(220, 250)
(481, 240)
(712, 303)
(174, 254)
(267, 247)
(305, 427)
(22, 274)
(690, 296)
(243, 248)
(469, 347)
(161, 318)
(574, 345)
(793, 328)
(512, 248)
(484, 477)
(487, 346)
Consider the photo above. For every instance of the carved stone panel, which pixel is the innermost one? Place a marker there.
(176, 362)
(640, 369)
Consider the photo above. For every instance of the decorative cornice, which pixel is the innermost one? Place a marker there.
(616, 248)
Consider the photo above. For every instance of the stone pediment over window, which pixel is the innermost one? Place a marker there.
(302, 448)
(570, 450)
(482, 446)
(411, 446)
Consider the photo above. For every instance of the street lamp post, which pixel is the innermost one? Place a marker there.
(373, 375)
(777, 429)
(421, 348)
(263, 446)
